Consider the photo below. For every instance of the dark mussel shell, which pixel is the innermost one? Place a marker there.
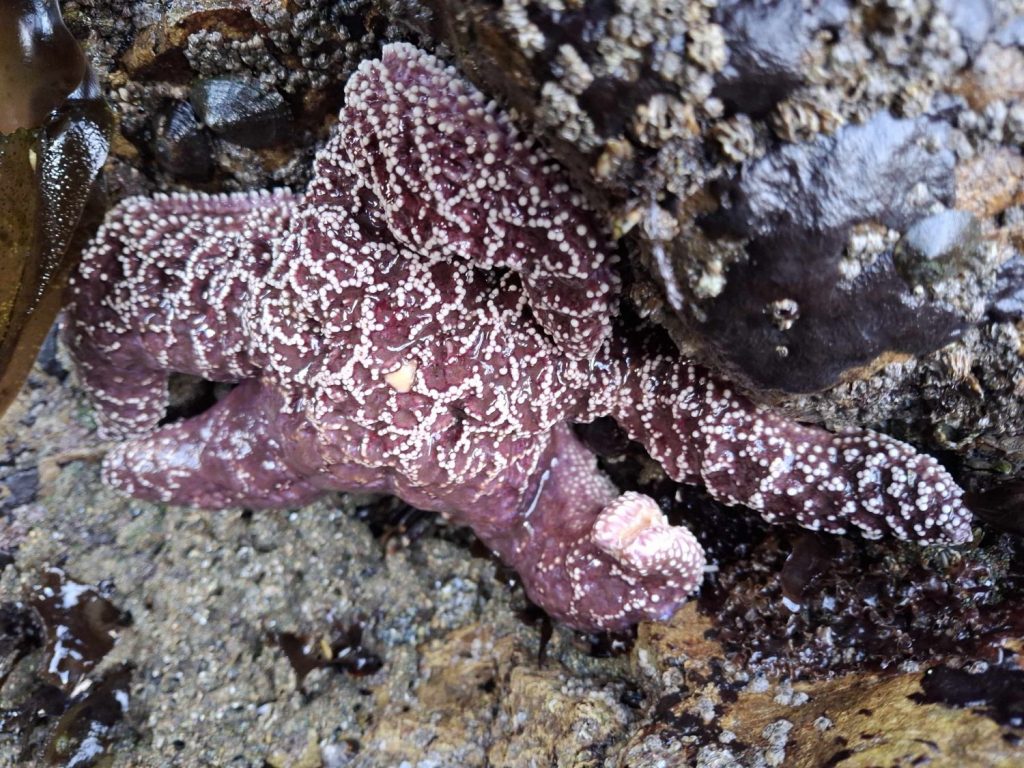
(242, 110)
(183, 146)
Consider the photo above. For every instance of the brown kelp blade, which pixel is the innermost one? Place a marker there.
(49, 199)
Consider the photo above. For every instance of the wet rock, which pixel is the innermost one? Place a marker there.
(1011, 33)
(1001, 505)
(990, 183)
(815, 187)
(158, 50)
(18, 487)
(997, 75)
(796, 210)
(767, 41)
(473, 677)
(20, 634)
(972, 19)
(938, 247)
(300, 53)
(712, 712)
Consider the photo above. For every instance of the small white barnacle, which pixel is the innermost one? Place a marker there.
(402, 378)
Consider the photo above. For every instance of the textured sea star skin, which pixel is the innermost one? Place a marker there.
(427, 320)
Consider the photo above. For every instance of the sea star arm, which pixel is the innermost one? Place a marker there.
(586, 555)
(230, 455)
(160, 289)
(702, 431)
(451, 177)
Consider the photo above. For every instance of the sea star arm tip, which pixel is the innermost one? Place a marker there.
(702, 431)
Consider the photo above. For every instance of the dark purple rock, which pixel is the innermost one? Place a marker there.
(795, 209)
(22, 485)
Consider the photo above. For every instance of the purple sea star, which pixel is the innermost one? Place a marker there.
(427, 320)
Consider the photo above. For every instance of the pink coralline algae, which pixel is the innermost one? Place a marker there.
(428, 319)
